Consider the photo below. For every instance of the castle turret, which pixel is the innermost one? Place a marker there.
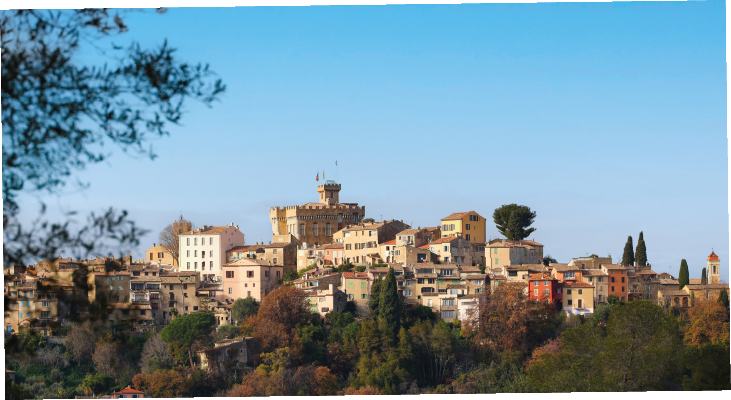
(329, 192)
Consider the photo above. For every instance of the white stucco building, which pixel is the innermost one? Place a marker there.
(204, 249)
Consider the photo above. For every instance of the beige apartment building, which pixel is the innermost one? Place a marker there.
(360, 242)
(316, 223)
(357, 287)
(469, 225)
(452, 250)
(249, 277)
(589, 262)
(578, 298)
(282, 254)
(325, 299)
(502, 252)
(179, 292)
(600, 280)
(392, 253)
(413, 237)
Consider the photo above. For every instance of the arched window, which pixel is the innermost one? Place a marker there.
(685, 302)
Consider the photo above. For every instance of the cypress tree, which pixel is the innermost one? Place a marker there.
(628, 258)
(704, 277)
(723, 298)
(390, 304)
(641, 253)
(375, 298)
(683, 275)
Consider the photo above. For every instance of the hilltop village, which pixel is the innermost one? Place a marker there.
(334, 255)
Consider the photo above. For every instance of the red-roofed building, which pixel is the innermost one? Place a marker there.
(713, 267)
(128, 393)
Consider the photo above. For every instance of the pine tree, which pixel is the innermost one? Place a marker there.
(723, 298)
(704, 277)
(390, 304)
(628, 258)
(514, 231)
(375, 298)
(641, 253)
(683, 275)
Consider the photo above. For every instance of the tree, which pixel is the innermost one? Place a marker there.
(709, 367)
(168, 384)
(390, 305)
(81, 341)
(14, 391)
(628, 257)
(244, 308)
(106, 358)
(154, 355)
(522, 220)
(57, 114)
(708, 322)
(368, 220)
(704, 277)
(683, 275)
(723, 298)
(374, 299)
(506, 320)
(279, 314)
(97, 384)
(188, 328)
(548, 259)
(641, 252)
(290, 275)
(170, 238)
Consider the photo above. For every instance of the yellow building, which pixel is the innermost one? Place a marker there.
(159, 254)
(469, 225)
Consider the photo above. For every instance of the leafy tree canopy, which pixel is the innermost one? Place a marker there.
(243, 308)
(518, 228)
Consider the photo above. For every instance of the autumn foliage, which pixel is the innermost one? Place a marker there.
(507, 320)
(708, 323)
(278, 315)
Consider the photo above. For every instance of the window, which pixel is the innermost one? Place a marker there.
(468, 235)
(612, 288)
(535, 292)
(581, 291)
(364, 296)
(328, 230)
(447, 314)
(120, 288)
(545, 292)
(277, 274)
(210, 241)
(195, 265)
(545, 283)
(568, 291)
(195, 253)
(274, 261)
(195, 241)
(230, 290)
(558, 290)
(188, 241)
(446, 248)
(569, 275)
(195, 308)
(568, 302)
(45, 314)
(623, 288)
(188, 265)
(314, 229)
(467, 226)
(248, 293)
(203, 254)
(622, 279)
(612, 279)
(111, 287)
(407, 292)
(229, 274)
(448, 303)
(495, 252)
(302, 229)
(249, 274)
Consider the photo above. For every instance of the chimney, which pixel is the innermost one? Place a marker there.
(153, 245)
(330, 287)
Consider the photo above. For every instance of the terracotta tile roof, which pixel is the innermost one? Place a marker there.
(470, 296)
(694, 281)
(613, 266)
(387, 242)
(475, 276)
(456, 286)
(355, 275)
(468, 269)
(454, 216)
(433, 228)
(647, 272)
(576, 284)
(372, 226)
(708, 286)
(277, 245)
(447, 239)
(669, 282)
(128, 390)
(713, 256)
(673, 292)
(174, 279)
(593, 272)
(541, 277)
(424, 247)
(564, 267)
(407, 232)
(213, 230)
(335, 245)
(239, 248)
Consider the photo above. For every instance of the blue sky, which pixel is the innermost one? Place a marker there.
(604, 118)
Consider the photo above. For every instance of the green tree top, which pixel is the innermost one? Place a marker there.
(188, 328)
(628, 257)
(683, 275)
(244, 308)
(522, 216)
(704, 277)
(641, 253)
(390, 304)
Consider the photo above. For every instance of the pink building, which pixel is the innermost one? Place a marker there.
(249, 277)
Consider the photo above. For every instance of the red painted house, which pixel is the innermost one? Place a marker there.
(128, 393)
(544, 287)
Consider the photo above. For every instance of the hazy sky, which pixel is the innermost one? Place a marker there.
(604, 118)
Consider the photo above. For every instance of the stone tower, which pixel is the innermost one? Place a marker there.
(329, 193)
(713, 268)
(182, 226)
